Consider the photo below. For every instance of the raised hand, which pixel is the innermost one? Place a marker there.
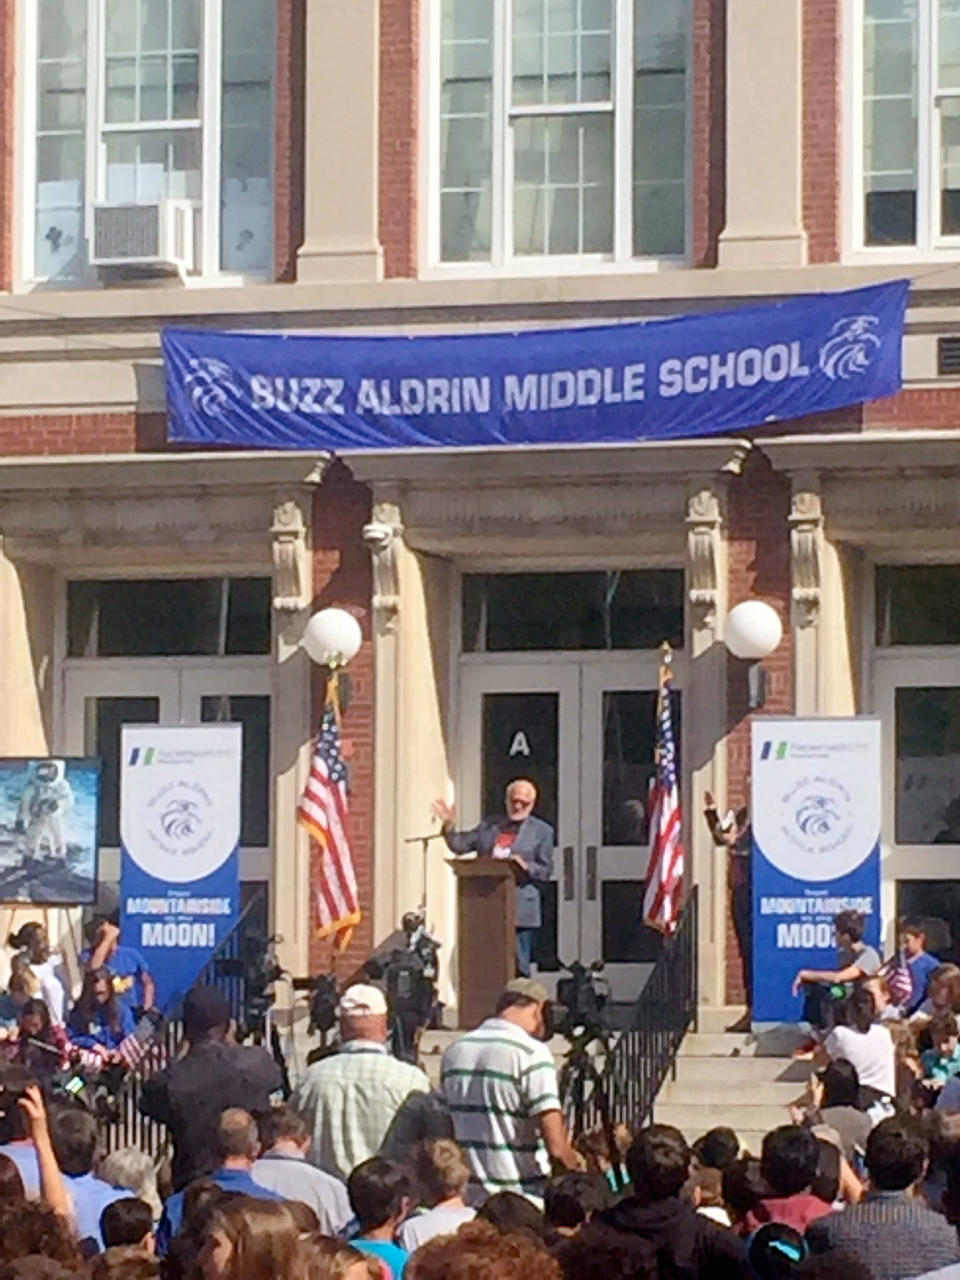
(444, 812)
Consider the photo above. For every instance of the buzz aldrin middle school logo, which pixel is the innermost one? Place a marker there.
(180, 820)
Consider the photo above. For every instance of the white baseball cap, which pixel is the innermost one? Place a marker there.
(362, 1001)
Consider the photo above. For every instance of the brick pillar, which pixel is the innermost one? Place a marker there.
(288, 136)
(399, 134)
(822, 86)
(709, 128)
(759, 569)
(342, 578)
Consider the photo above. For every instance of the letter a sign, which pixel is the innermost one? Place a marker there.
(519, 746)
(179, 836)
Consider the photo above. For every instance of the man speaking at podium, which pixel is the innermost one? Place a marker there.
(521, 839)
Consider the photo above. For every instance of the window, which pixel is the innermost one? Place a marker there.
(144, 101)
(562, 130)
(910, 123)
(917, 604)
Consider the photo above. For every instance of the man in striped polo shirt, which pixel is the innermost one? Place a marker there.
(500, 1084)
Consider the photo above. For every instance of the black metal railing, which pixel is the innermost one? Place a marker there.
(130, 1127)
(641, 1058)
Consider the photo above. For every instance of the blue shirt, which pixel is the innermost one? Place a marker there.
(127, 966)
(24, 1156)
(90, 1197)
(239, 1180)
(98, 1031)
(391, 1254)
(920, 968)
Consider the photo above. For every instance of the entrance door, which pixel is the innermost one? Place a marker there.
(583, 731)
(101, 697)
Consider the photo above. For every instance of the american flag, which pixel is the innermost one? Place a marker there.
(663, 894)
(323, 812)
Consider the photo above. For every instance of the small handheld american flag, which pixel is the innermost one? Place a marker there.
(323, 812)
(663, 894)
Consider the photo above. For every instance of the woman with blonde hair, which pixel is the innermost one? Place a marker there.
(250, 1239)
(330, 1259)
(441, 1173)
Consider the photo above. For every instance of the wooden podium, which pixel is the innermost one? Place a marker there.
(486, 929)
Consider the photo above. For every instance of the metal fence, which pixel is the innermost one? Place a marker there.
(130, 1128)
(641, 1058)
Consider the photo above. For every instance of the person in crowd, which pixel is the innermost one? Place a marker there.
(381, 1196)
(777, 1252)
(941, 1061)
(599, 1156)
(833, 1099)
(743, 1189)
(704, 1190)
(788, 1167)
(11, 1184)
(942, 1129)
(38, 1044)
(599, 1253)
(717, 1149)
(943, 995)
(132, 983)
(350, 1099)
(125, 1263)
(440, 1173)
(28, 1229)
(238, 1145)
(328, 1258)
(734, 834)
(201, 1199)
(15, 1140)
(868, 1046)
(686, 1244)
(521, 839)
(572, 1200)
(283, 1167)
(128, 1221)
(76, 1144)
(252, 1239)
(479, 1252)
(920, 963)
(33, 948)
(133, 1170)
(514, 1214)
(856, 960)
(189, 1094)
(891, 1229)
(500, 1084)
(99, 1020)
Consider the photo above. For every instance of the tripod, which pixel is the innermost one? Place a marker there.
(581, 1086)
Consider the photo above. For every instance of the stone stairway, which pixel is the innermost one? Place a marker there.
(744, 1081)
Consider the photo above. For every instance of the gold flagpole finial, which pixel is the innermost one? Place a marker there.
(666, 662)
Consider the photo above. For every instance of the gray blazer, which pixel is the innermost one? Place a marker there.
(534, 844)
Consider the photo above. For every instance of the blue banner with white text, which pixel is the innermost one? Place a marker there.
(707, 374)
(815, 816)
(180, 839)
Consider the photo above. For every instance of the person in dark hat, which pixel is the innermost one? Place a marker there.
(190, 1094)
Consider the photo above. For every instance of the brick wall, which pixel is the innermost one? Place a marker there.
(759, 569)
(399, 134)
(342, 577)
(122, 432)
(822, 66)
(288, 136)
(709, 128)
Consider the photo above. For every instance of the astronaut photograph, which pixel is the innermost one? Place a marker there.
(48, 830)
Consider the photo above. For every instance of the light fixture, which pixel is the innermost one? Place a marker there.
(332, 638)
(752, 632)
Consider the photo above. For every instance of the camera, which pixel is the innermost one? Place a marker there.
(580, 1008)
(324, 998)
(258, 969)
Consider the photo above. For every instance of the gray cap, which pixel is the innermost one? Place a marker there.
(528, 987)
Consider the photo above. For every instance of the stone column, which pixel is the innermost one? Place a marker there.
(341, 209)
(764, 135)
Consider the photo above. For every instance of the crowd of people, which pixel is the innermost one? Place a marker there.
(366, 1172)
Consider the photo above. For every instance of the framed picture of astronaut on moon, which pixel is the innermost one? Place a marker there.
(48, 830)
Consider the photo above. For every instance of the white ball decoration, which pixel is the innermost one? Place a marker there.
(753, 630)
(332, 638)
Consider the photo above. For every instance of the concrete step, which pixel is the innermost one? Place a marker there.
(694, 1119)
(730, 1093)
(706, 1071)
(773, 1042)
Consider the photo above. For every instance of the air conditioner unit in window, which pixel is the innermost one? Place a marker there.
(144, 235)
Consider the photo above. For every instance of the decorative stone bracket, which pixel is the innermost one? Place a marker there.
(291, 561)
(382, 538)
(806, 532)
(703, 537)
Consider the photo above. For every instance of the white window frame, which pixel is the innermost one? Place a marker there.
(502, 261)
(95, 148)
(931, 245)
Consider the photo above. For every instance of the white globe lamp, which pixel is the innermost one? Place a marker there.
(753, 630)
(332, 638)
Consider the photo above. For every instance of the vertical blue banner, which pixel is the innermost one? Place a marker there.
(180, 837)
(815, 811)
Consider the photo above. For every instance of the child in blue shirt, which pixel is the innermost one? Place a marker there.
(943, 1060)
(920, 963)
(381, 1196)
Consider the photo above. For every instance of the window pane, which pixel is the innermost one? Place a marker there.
(253, 713)
(890, 121)
(146, 167)
(618, 609)
(154, 29)
(104, 718)
(629, 731)
(121, 91)
(520, 739)
(61, 96)
(625, 939)
(950, 167)
(59, 247)
(154, 89)
(186, 87)
(246, 190)
(466, 120)
(917, 604)
(928, 766)
(186, 22)
(562, 51)
(61, 29)
(563, 184)
(121, 25)
(949, 44)
(660, 128)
